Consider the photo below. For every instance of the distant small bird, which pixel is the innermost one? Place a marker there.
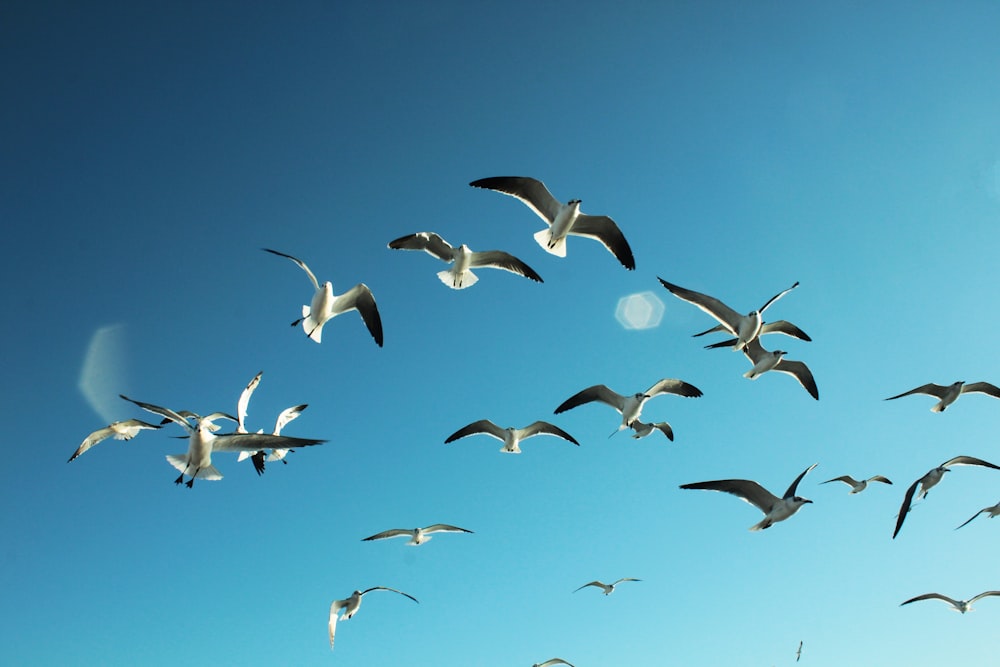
(351, 605)
(992, 510)
(745, 327)
(764, 361)
(961, 606)
(562, 219)
(775, 509)
(856, 486)
(798, 653)
(417, 535)
(630, 407)
(510, 436)
(607, 588)
(120, 430)
(550, 662)
(948, 395)
(463, 259)
(326, 305)
(643, 429)
(929, 480)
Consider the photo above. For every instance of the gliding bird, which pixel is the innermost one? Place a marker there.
(550, 662)
(930, 479)
(463, 259)
(607, 588)
(992, 510)
(120, 430)
(764, 361)
(417, 535)
(510, 436)
(961, 606)
(630, 407)
(643, 429)
(858, 486)
(948, 395)
(351, 604)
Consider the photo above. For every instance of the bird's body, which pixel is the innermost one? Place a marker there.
(857, 486)
(326, 305)
(462, 259)
(764, 361)
(948, 395)
(351, 604)
(630, 407)
(961, 606)
(929, 480)
(417, 535)
(607, 589)
(642, 429)
(775, 509)
(119, 430)
(510, 436)
(992, 511)
(562, 219)
(779, 326)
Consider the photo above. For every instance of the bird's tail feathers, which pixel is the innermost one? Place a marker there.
(458, 280)
(544, 238)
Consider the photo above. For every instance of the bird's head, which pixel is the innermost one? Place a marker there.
(800, 500)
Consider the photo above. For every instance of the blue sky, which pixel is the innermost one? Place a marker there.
(150, 151)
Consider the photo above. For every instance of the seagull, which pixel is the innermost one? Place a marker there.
(463, 259)
(607, 588)
(351, 604)
(930, 479)
(510, 436)
(948, 395)
(992, 510)
(562, 219)
(417, 535)
(764, 361)
(856, 486)
(745, 327)
(244, 401)
(643, 429)
(120, 430)
(957, 605)
(197, 462)
(550, 662)
(775, 509)
(326, 305)
(798, 653)
(630, 407)
(258, 459)
(780, 326)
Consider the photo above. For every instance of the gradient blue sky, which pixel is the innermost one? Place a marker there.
(151, 149)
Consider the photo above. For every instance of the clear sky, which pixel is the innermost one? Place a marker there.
(150, 150)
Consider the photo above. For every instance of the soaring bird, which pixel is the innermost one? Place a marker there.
(417, 535)
(463, 259)
(961, 606)
(764, 361)
(351, 604)
(775, 509)
(120, 430)
(858, 486)
(779, 326)
(562, 219)
(607, 588)
(930, 479)
(550, 662)
(745, 327)
(287, 415)
(510, 436)
(948, 395)
(992, 510)
(326, 305)
(630, 407)
(643, 429)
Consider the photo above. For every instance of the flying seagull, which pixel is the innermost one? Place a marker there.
(745, 327)
(992, 510)
(930, 479)
(120, 430)
(417, 535)
(258, 457)
(630, 407)
(197, 462)
(948, 395)
(779, 326)
(463, 259)
(798, 653)
(764, 361)
(510, 436)
(326, 305)
(351, 604)
(607, 588)
(775, 509)
(643, 429)
(856, 486)
(957, 605)
(550, 662)
(562, 219)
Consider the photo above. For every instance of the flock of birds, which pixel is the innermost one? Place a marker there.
(744, 333)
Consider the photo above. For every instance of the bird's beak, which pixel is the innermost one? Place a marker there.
(806, 500)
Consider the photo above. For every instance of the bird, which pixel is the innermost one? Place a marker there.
(630, 407)
(764, 361)
(120, 430)
(992, 510)
(351, 604)
(550, 662)
(197, 461)
(607, 588)
(510, 436)
(798, 652)
(643, 429)
(562, 219)
(948, 395)
(287, 415)
(463, 259)
(745, 327)
(856, 486)
(244, 402)
(775, 509)
(930, 479)
(961, 606)
(417, 535)
(779, 326)
(326, 305)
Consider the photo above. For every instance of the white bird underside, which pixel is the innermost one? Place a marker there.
(775, 509)
(961, 606)
(511, 437)
(630, 407)
(929, 480)
(351, 605)
(120, 430)
(764, 361)
(948, 395)
(463, 259)
(562, 219)
(643, 429)
(417, 535)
